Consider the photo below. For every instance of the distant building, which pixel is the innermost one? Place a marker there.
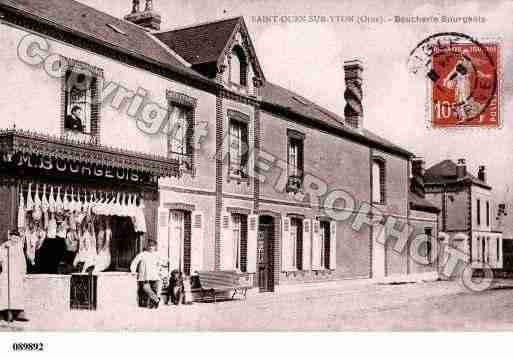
(467, 208)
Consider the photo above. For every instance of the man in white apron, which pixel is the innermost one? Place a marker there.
(147, 266)
(12, 278)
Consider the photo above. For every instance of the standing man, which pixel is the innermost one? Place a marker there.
(147, 265)
(12, 278)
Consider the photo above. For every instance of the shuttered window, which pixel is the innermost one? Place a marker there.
(238, 149)
(296, 242)
(478, 204)
(180, 135)
(325, 244)
(181, 236)
(240, 241)
(487, 213)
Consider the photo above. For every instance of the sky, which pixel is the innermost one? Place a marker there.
(308, 58)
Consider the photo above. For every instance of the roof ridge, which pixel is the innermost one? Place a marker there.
(198, 24)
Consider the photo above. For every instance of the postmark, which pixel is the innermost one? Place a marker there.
(463, 80)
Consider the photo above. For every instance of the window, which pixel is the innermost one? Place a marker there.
(180, 136)
(181, 233)
(498, 250)
(240, 238)
(325, 244)
(483, 249)
(81, 104)
(295, 162)
(296, 245)
(238, 67)
(488, 249)
(429, 247)
(238, 149)
(478, 212)
(487, 213)
(378, 181)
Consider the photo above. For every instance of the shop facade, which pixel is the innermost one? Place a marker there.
(78, 207)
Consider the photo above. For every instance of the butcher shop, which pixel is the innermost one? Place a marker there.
(84, 212)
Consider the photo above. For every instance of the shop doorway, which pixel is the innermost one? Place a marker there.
(265, 257)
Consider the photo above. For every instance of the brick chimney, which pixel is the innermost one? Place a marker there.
(147, 18)
(417, 173)
(353, 111)
(461, 168)
(481, 174)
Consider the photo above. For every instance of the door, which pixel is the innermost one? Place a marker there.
(265, 254)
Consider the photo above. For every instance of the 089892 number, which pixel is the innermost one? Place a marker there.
(27, 346)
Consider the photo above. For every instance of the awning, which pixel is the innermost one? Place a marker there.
(19, 141)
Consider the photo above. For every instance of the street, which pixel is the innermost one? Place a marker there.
(362, 306)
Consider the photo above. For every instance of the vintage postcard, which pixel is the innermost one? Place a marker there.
(255, 165)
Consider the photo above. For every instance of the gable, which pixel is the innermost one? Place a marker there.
(207, 45)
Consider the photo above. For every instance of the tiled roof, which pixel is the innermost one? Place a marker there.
(200, 44)
(196, 44)
(284, 98)
(74, 16)
(421, 204)
(444, 172)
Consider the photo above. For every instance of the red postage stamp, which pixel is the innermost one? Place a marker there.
(464, 80)
(465, 86)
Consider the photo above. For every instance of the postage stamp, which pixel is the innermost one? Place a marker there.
(463, 77)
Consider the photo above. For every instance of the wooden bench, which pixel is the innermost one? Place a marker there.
(211, 283)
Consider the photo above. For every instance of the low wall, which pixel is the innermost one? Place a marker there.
(51, 293)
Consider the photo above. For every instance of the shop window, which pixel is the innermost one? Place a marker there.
(64, 240)
(325, 244)
(180, 136)
(81, 102)
(238, 67)
(295, 161)
(238, 149)
(378, 181)
(296, 243)
(240, 241)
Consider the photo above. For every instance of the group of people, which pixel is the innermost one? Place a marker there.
(147, 265)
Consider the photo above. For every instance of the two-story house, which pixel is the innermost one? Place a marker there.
(467, 218)
(230, 171)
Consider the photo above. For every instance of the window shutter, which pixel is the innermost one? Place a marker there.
(198, 228)
(307, 244)
(285, 244)
(163, 233)
(333, 245)
(500, 263)
(316, 245)
(252, 243)
(175, 240)
(226, 241)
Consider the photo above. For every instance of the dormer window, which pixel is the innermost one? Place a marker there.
(239, 67)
